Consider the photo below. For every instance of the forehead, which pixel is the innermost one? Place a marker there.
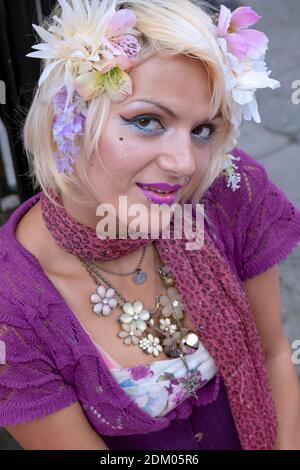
(176, 79)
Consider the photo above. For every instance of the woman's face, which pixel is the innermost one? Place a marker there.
(158, 134)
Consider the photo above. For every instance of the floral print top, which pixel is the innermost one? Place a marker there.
(160, 386)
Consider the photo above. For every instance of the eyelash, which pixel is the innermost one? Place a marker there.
(150, 118)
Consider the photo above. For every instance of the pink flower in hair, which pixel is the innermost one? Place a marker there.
(243, 43)
(245, 68)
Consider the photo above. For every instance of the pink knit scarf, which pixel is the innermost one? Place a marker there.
(217, 306)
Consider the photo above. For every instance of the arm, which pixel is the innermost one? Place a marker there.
(263, 292)
(66, 429)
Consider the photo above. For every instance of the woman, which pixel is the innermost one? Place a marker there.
(145, 343)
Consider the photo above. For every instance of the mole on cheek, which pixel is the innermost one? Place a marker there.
(121, 139)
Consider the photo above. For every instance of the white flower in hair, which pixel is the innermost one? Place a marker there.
(95, 44)
(244, 61)
(243, 79)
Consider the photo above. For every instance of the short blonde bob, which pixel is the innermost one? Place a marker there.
(166, 28)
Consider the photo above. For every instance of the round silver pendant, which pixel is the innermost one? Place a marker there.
(139, 277)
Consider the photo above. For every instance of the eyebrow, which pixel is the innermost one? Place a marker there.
(165, 109)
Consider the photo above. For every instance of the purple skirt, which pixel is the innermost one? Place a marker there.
(209, 427)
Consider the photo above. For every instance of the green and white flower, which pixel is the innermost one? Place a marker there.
(94, 43)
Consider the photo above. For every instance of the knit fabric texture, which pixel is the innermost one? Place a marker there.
(49, 356)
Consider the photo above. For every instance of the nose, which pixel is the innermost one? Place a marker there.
(177, 157)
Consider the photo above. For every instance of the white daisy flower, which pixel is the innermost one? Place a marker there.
(151, 344)
(136, 314)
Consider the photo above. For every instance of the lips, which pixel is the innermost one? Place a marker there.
(161, 187)
(153, 195)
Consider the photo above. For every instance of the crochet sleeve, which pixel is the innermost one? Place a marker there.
(269, 225)
(30, 385)
(254, 227)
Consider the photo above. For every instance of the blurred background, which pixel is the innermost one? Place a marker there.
(275, 142)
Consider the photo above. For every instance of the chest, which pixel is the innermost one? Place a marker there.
(76, 291)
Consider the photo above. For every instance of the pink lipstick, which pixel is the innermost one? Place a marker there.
(168, 188)
(160, 193)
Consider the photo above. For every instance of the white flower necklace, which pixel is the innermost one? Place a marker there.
(165, 318)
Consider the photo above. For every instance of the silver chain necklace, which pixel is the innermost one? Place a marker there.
(136, 318)
(93, 271)
(139, 277)
(189, 341)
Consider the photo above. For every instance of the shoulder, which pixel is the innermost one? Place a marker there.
(252, 185)
(31, 383)
(228, 212)
(24, 249)
(256, 192)
(13, 243)
(17, 279)
(257, 224)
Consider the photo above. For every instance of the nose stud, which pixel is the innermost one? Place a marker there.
(187, 179)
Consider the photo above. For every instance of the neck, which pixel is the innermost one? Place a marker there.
(81, 239)
(130, 261)
(85, 215)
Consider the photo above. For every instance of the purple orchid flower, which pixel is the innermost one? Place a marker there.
(68, 125)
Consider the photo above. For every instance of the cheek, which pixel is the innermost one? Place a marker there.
(116, 164)
(124, 154)
(112, 150)
(118, 146)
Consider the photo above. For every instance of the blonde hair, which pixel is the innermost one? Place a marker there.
(166, 28)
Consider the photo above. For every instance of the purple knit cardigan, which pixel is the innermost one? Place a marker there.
(50, 360)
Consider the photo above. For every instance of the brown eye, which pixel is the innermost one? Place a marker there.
(205, 131)
(146, 124)
(144, 121)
